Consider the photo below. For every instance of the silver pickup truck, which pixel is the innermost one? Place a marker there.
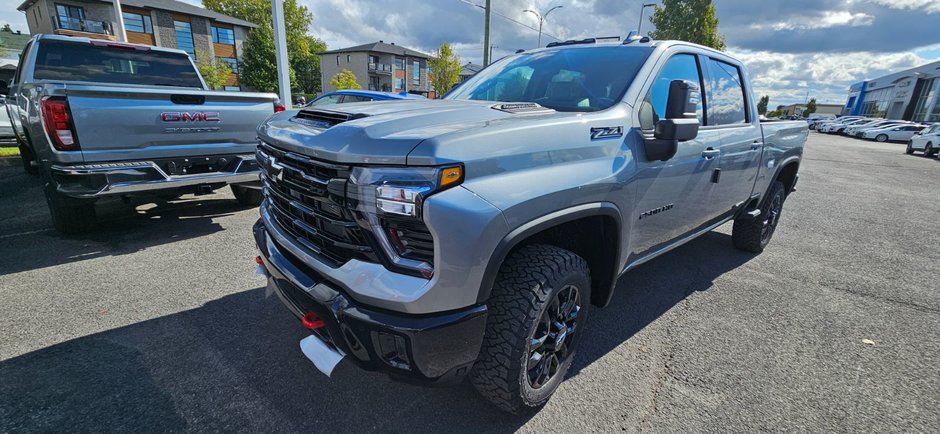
(98, 119)
(472, 236)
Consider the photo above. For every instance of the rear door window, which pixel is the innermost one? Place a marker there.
(724, 94)
(82, 61)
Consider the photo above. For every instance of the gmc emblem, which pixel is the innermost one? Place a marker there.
(190, 117)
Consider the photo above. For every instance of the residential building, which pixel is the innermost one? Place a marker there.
(380, 66)
(822, 109)
(467, 71)
(912, 95)
(163, 23)
(13, 43)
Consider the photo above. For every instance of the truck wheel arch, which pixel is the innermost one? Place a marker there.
(600, 248)
(787, 173)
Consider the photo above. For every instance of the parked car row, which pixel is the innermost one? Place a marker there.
(920, 137)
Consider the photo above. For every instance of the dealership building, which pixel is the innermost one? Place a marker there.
(912, 95)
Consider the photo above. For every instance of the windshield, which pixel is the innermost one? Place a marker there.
(577, 79)
(81, 61)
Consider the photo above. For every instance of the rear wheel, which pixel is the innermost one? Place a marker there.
(246, 196)
(30, 165)
(69, 215)
(882, 137)
(537, 312)
(753, 234)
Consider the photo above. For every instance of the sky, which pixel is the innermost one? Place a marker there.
(792, 48)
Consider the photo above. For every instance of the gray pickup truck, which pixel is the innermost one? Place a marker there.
(472, 236)
(98, 120)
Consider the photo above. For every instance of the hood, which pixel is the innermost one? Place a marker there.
(383, 132)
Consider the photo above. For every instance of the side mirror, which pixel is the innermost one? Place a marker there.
(681, 123)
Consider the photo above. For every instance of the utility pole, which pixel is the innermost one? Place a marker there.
(486, 34)
(640, 24)
(541, 18)
(280, 51)
(120, 33)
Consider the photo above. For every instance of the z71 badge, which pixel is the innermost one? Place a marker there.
(598, 133)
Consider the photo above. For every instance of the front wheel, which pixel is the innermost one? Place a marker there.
(881, 138)
(753, 234)
(910, 148)
(246, 196)
(30, 165)
(928, 151)
(537, 313)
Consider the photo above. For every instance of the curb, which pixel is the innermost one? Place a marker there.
(9, 161)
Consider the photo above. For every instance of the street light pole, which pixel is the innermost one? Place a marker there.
(640, 24)
(280, 52)
(542, 18)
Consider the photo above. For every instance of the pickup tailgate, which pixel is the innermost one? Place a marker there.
(138, 123)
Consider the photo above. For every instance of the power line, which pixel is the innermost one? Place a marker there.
(508, 18)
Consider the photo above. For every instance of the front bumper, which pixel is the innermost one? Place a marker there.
(106, 179)
(428, 348)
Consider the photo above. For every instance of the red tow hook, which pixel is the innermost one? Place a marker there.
(259, 261)
(312, 321)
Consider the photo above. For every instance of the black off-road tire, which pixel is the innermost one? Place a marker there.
(750, 234)
(69, 215)
(29, 160)
(246, 196)
(910, 148)
(528, 283)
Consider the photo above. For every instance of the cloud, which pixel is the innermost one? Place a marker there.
(929, 6)
(824, 20)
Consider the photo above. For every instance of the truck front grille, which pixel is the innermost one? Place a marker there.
(307, 199)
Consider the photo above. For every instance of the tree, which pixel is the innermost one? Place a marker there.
(688, 20)
(307, 68)
(810, 108)
(445, 69)
(6, 28)
(302, 49)
(762, 104)
(214, 71)
(258, 68)
(345, 79)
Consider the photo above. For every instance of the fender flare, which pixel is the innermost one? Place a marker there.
(532, 227)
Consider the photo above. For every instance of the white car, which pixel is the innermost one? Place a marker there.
(837, 127)
(858, 130)
(895, 133)
(927, 141)
(820, 124)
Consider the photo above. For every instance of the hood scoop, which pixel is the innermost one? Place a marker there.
(324, 118)
(521, 108)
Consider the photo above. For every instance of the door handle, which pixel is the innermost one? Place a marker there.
(755, 145)
(710, 153)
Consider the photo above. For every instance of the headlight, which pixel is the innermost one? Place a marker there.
(391, 200)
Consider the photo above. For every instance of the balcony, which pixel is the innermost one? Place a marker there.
(83, 28)
(380, 68)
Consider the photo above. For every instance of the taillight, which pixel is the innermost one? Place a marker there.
(278, 107)
(58, 123)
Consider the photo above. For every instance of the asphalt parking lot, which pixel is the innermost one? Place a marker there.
(156, 322)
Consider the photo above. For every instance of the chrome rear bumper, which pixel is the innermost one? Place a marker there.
(106, 179)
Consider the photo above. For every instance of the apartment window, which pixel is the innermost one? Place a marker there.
(415, 72)
(70, 17)
(222, 35)
(232, 63)
(184, 37)
(137, 23)
(399, 84)
(399, 63)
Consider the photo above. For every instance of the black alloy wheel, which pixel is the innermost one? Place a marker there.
(549, 345)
